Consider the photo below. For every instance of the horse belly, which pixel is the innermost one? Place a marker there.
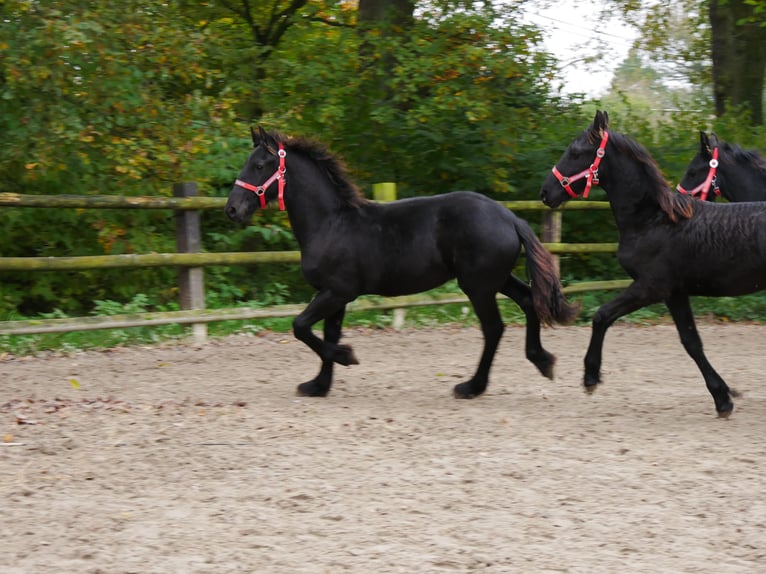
(406, 280)
(729, 281)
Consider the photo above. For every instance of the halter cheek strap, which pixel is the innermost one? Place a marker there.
(591, 173)
(704, 188)
(279, 175)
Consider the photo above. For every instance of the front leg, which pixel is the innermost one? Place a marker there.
(330, 307)
(320, 385)
(626, 302)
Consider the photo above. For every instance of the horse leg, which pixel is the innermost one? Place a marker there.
(330, 307)
(320, 385)
(521, 293)
(485, 307)
(680, 309)
(626, 302)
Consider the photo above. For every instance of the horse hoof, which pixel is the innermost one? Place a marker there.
(345, 356)
(464, 391)
(544, 363)
(590, 388)
(725, 411)
(311, 389)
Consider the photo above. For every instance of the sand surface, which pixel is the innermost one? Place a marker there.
(183, 459)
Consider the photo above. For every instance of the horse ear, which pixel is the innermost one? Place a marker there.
(256, 138)
(713, 140)
(269, 141)
(704, 142)
(601, 121)
(600, 125)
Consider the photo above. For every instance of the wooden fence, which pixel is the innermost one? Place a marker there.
(191, 260)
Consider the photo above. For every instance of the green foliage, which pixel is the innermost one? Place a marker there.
(129, 98)
(98, 97)
(453, 104)
(112, 86)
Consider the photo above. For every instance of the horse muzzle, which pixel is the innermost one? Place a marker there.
(551, 194)
(239, 209)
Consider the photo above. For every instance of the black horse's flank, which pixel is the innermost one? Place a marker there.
(721, 168)
(351, 246)
(671, 245)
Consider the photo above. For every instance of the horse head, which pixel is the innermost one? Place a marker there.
(702, 172)
(264, 166)
(577, 170)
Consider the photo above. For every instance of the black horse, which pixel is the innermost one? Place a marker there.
(672, 245)
(725, 169)
(351, 246)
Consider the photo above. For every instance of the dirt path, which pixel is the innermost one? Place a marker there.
(202, 460)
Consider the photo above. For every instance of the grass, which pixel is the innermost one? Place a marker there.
(750, 308)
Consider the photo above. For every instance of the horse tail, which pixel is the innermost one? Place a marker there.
(549, 302)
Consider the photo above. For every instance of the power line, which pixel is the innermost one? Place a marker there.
(579, 29)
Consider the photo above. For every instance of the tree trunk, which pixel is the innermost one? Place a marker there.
(387, 13)
(739, 58)
(380, 19)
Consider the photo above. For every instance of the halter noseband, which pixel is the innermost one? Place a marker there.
(260, 190)
(591, 173)
(704, 188)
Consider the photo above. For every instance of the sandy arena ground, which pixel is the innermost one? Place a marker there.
(183, 459)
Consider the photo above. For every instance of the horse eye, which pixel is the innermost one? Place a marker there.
(259, 166)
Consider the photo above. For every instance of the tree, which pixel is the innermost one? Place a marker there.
(733, 40)
(246, 34)
(98, 97)
(394, 13)
(426, 106)
(738, 50)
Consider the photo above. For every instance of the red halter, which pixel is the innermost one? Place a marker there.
(704, 188)
(591, 173)
(260, 190)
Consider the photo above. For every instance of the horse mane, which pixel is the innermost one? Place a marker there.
(675, 205)
(332, 165)
(750, 157)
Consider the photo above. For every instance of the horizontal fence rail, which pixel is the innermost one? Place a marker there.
(195, 260)
(197, 202)
(207, 259)
(35, 327)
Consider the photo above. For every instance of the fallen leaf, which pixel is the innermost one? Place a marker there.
(21, 420)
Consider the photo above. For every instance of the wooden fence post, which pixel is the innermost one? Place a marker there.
(191, 280)
(551, 232)
(386, 191)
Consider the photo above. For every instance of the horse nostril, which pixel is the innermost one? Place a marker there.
(230, 211)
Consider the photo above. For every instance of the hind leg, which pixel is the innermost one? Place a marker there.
(681, 310)
(320, 385)
(521, 293)
(485, 307)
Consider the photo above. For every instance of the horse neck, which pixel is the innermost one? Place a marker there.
(628, 188)
(310, 199)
